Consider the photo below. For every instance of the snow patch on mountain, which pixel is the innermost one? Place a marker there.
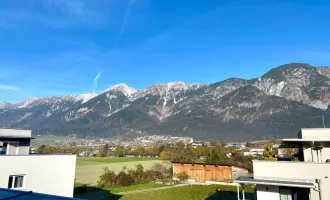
(85, 97)
(81, 112)
(27, 102)
(4, 105)
(169, 93)
(122, 87)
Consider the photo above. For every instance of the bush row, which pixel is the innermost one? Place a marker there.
(129, 177)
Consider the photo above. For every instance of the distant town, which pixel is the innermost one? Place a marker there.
(73, 140)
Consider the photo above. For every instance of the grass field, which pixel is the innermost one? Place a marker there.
(136, 187)
(45, 140)
(194, 192)
(97, 161)
(88, 169)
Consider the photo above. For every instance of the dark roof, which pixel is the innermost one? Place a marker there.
(23, 195)
(291, 183)
(15, 137)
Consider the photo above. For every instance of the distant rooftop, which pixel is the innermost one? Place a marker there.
(27, 195)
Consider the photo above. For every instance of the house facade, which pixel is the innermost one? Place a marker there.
(41, 173)
(201, 172)
(306, 179)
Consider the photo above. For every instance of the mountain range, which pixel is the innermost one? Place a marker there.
(276, 104)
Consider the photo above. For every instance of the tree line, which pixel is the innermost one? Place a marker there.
(138, 175)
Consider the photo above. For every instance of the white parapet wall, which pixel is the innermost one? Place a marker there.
(15, 133)
(47, 174)
(295, 171)
(221, 183)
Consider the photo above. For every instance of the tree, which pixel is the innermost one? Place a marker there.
(268, 153)
(123, 179)
(249, 144)
(140, 151)
(137, 174)
(155, 150)
(213, 157)
(107, 179)
(105, 149)
(183, 176)
(119, 152)
(158, 167)
(101, 153)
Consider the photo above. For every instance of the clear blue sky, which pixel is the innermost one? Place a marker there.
(57, 47)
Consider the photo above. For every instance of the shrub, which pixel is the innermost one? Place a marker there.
(107, 179)
(183, 176)
(123, 179)
(137, 174)
(153, 175)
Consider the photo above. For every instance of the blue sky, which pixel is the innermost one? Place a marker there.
(59, 47)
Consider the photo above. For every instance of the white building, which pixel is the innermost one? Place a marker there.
(255, 151)
(307, 179)
(41, 173)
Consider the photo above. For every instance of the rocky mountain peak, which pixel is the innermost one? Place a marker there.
(85, 97)
(27, 102)
(177, 84)
(324, 71)
(4, 105)
(295, 91)
(122, 87)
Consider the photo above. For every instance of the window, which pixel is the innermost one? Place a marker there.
(16, 181)
(285, 194)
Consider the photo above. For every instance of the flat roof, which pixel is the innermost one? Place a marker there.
(252, 180)
(27, 195)
(315, 129)
(15, 137)
(17, 129)
(307, 140)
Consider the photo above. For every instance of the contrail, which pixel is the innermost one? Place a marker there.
(98, 75)
(125, 19)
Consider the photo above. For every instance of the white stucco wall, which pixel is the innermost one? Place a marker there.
(296, 170)
(308, 133)
(265, 192)
(48, 174)
(24, 147)
(15, 132)
(323, 156)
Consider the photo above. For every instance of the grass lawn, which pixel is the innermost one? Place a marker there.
(88, 169)
(96, 160)
(136, 187)
(112, 191)
(194, 192)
